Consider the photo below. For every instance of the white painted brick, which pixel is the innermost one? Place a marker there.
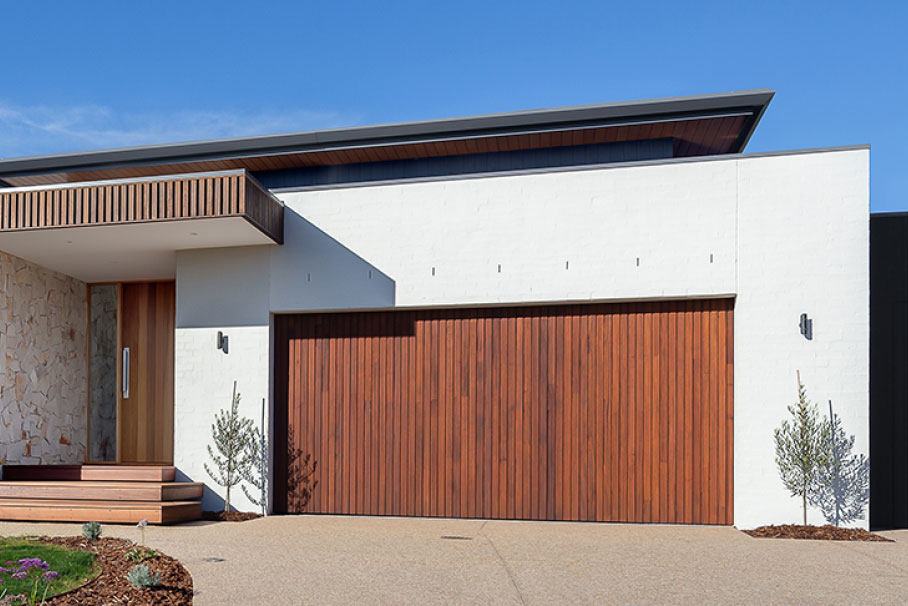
(788, 234)
(803, 237)
(204, 390)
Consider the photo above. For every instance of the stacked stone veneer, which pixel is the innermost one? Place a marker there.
(102, 375)
(42, 364)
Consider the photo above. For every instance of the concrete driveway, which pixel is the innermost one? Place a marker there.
(347, 560)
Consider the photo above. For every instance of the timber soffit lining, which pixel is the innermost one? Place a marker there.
(699, 125)
(143, 200)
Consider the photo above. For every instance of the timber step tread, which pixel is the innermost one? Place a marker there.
(92, 504)
(106, 490)
(111, 512)
(83, 483)
(135, 473)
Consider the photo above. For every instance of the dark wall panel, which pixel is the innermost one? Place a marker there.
(889, 370)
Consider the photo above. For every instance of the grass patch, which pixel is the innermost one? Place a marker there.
(75, 567)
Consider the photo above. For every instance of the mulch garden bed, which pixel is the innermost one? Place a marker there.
(822, 533)
(111, 586)
(229, 516)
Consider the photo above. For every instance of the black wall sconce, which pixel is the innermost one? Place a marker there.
(222, 341)
(806, 326)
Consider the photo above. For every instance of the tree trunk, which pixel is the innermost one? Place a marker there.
(804, 504)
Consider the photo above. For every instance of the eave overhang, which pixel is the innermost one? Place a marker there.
(699, 125)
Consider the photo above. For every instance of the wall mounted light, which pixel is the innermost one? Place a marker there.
(806, 326)
(222, 341)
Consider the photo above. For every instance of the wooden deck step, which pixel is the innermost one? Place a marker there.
(109, 512)
(109, 491)
(130, 473)
(112, 494)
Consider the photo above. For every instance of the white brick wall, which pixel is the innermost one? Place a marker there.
(787, 234)
(598, 222)
(233, 290)
(803, 247)
(204, 385)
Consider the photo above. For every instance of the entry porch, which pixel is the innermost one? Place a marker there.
(87, 338)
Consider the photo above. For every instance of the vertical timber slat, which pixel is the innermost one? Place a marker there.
(603, 412)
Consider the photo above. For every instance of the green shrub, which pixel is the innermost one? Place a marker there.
(141, 577)
(91, 531)
(140, 555)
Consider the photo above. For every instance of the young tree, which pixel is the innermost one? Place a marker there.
(843, 481)
(802, 447)
(257, 475)
(231, 435)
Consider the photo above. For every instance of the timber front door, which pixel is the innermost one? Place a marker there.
(131, 343)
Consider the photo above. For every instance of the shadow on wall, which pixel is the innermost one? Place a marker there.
(314, 271)
(241, 286)
(211, 501)
(301, 479)
(296, 488)
(843, 485)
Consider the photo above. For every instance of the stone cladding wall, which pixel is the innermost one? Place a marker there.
(43, 319)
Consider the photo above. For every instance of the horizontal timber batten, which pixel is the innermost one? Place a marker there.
(169, 198)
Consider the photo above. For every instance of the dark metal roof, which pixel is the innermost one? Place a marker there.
(753, 102)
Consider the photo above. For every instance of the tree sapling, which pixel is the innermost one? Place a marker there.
(231, 434)
(802, 447)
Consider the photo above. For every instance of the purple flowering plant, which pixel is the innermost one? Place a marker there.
(34, 569)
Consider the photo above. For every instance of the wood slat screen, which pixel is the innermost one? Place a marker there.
(608, 412)
(189, 197)
(262, 211)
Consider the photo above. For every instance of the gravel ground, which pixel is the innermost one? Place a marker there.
(346, 560)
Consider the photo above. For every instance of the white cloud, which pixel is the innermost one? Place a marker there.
(26, 131)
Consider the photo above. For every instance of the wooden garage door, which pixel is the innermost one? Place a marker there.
(610, 412)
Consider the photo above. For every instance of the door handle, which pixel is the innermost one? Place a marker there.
(125, 373)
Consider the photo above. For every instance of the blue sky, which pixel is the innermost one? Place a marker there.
(85, 75)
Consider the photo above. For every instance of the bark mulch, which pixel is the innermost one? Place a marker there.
(822, 533)
(111, 586)
(229, 516)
